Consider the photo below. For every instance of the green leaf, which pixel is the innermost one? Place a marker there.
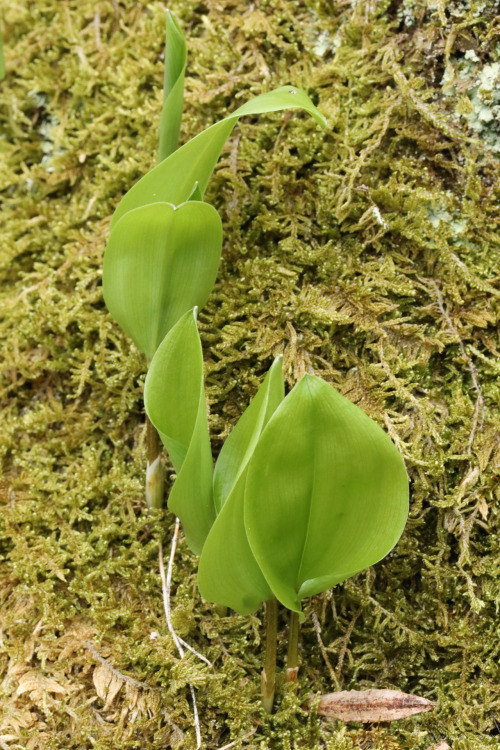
(160, 262)
(175, 403)
(326, 494)
(241, 442)
(172, 180)
(228, 572)
(173, 88)
(196, 193)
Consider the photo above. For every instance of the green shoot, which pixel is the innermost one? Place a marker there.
(173, 179)
(175, 403)
(165, 244)
(228, 572)
(173, 88)
(309, 491)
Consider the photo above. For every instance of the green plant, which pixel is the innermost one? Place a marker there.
(311, 491)
(173, 88)
(165, 243)
(307, 490)
(175, 403)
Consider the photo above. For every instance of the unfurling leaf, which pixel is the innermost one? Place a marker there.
(160, 262)
(175, 403)
(240, 444)
(173, 179)
(228, 572)
(326, 493)
(173, 87)
(372, 705)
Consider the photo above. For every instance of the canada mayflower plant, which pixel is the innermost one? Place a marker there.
(307, 490)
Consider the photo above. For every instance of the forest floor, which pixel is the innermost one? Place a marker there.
(367, 253)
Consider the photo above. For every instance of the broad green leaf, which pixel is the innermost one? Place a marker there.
(228, 572)
(175, 403)
(173, 88)
(241, 442)
(160, 262)
(326, 494)
(172, 180)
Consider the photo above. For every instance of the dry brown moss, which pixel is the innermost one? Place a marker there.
(368, 254)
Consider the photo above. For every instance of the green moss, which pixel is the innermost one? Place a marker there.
(367, 254)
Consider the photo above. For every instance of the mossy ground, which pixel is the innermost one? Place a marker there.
(368, 254)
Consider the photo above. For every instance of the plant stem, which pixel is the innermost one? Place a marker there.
(292, 658)
(154, 471)
(269, 671)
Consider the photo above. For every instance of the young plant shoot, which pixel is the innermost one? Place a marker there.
(323, 495)
(307, 490)
(173, 88)
(117, 267)
(174, 179)
(165, 244)
(175, 403)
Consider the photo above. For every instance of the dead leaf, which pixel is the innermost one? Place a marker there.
(107, 684)
(482, 507)
(372, 705)
(74, 637)
(21, 719)
(37, 684)
(34, 742)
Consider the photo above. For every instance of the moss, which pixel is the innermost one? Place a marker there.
(367, 254)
